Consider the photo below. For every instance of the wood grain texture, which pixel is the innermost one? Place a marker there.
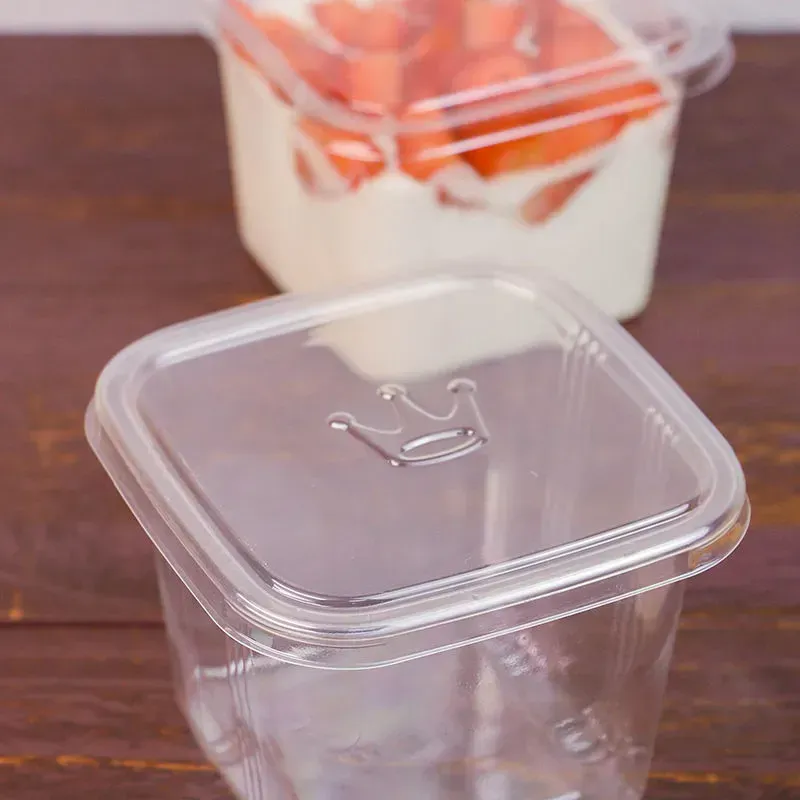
(91, 710)
(116, 218)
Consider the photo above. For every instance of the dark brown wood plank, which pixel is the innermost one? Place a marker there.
(54, 779)
(87, 711)
(111, 117)
(70, 548)
(740, 137)
(75, 776)
(747, 236)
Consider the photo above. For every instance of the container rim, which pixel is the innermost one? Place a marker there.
(674, 545)
(687, 62)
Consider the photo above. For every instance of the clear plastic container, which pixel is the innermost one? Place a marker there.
(372, 138)
(459, 586)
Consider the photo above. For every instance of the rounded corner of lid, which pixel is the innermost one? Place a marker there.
(725, 536)
(709, 52)
(92, 428)
(131, 362)
(126, 363)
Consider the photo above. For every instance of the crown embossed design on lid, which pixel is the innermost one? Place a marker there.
(465, 433)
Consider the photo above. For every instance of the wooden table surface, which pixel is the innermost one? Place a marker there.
(116, 219)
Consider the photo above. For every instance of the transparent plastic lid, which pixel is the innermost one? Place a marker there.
(411, 65)
(530, 461)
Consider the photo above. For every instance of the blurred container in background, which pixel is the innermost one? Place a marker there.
(372, 139)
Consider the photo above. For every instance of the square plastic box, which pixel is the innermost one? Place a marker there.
(460, 582)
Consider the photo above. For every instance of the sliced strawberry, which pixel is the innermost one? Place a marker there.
(646, 94)
(485, 79)
(568, 37)
(544, 149)
(489, 24)
(481, 81)
(319, 68)
(498, 75)
(240, 50)
(446, 198)
(383, 25)
(436, 12)
(313, 64)
(342, 19)
(305, 171)
(425, 153)
(317, 175)
(243, 9)
(506, 70)
(279, 92)
(434, 61)
(353, 156)
(565, 16)
(499, 69)
(376, 82)
(576, 40)
(547, 202)
(572, 47)
(458, 186)
(579, 137)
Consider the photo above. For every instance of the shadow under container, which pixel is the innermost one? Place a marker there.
(461, 585)
(370, 139)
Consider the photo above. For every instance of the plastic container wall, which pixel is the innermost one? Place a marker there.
(565, 710)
